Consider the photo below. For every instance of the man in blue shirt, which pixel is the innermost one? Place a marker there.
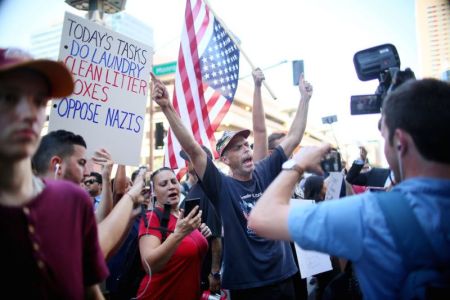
(253, 267)
(414, 125)
(93, 185)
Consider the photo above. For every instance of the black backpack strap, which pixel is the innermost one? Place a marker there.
(163, 217)
(408, 235)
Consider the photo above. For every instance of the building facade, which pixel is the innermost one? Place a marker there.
(433, 34)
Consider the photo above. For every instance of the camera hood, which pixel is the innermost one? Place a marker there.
(370, 63)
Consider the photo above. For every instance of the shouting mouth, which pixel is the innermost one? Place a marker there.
(247, 162)
(172, 196)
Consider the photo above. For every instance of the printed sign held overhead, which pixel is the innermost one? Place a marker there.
(111, 74)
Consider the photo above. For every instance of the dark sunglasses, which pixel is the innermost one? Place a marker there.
(90, 181)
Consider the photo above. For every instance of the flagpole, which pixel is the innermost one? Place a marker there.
(239, 47)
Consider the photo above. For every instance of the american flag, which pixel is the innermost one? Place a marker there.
(206, 79)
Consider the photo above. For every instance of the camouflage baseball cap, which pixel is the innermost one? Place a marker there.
(226, 138)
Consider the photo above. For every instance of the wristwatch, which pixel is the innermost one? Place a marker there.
(291, 165)
(216, 275)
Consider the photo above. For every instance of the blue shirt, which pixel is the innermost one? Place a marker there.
(355, 228)
(249, 261)
(97, 200)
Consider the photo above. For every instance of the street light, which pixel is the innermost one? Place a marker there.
(96, 8)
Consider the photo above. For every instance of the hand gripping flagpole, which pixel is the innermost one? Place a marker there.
(239, 47)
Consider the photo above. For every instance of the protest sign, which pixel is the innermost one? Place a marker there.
(111, 74)
(311, 262)
(334, 184)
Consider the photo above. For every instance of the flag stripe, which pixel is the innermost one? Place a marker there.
(205, 58)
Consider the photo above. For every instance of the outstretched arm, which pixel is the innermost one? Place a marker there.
(193, 149)
(269, 217)
(259, 121)
(295, 134)
(103, 158)
(354, 175)
(113, 228)
(120, 183)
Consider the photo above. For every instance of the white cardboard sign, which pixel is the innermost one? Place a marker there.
(311, 262)
(334, 184)
(111, 74)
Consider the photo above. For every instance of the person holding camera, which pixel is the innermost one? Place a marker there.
(362, 228)
(171, 247)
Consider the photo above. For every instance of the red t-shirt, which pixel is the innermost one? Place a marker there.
(49, 247)
(358, 189)
(180, 277)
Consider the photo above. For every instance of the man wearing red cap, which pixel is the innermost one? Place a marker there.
(48, 230)
(253, 267)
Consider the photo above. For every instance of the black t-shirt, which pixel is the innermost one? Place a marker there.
(209, 215)
(248, 260)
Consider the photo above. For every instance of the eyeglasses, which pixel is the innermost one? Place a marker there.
(90, 181)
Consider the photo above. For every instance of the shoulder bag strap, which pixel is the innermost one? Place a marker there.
(414, 246)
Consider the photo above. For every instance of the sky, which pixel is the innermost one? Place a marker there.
(323, 33)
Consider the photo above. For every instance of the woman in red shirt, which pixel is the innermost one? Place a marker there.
(173, 265)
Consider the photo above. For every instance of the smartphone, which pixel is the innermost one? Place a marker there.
(332, 162)
(148, 186)
(147, 180)
(297, 70)
(189, 205)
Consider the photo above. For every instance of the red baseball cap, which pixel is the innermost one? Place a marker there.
(58, 76)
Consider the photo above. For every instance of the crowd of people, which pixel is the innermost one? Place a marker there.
(71, 233)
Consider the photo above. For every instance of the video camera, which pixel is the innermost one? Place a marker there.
(382, 62)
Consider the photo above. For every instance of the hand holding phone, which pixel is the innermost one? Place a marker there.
(332, 162)
(189, 205)
(147, 190)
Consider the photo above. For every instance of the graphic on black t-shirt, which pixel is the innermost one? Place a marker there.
(247, 203)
